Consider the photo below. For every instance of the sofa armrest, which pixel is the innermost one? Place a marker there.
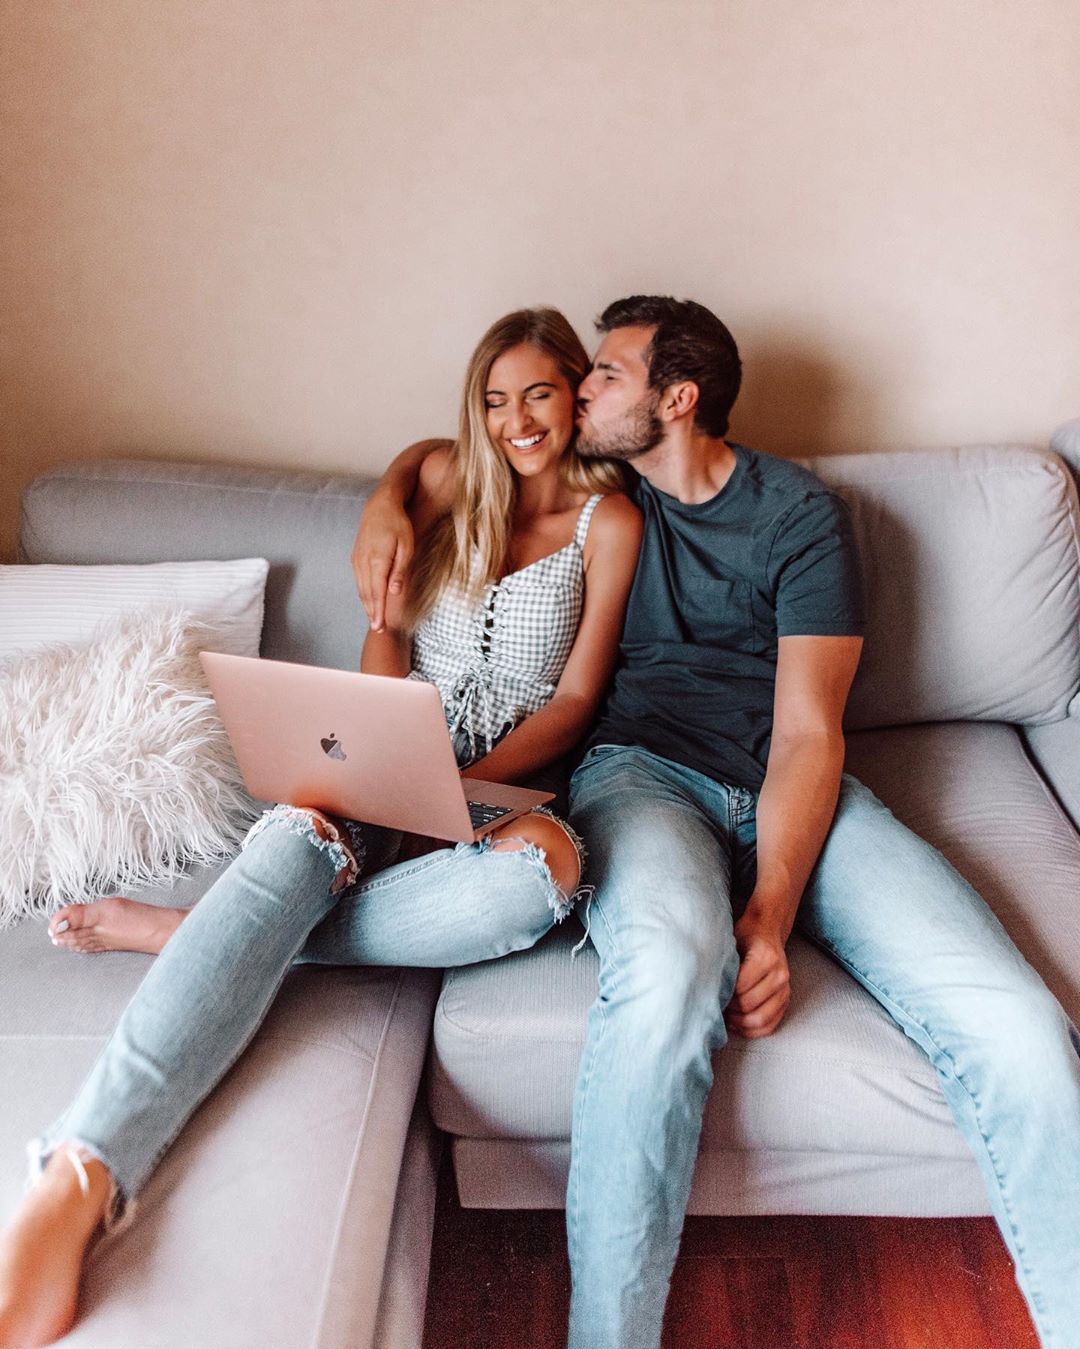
(403, 1301)
(1055, 746)
(1066, 442)
(1055, 750)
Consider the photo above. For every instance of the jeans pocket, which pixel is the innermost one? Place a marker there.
(599, 751)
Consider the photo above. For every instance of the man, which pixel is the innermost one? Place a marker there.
(717, 815)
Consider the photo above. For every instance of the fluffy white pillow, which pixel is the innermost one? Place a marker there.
(115, 769)
(44, 603)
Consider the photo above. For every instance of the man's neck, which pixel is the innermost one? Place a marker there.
(690, 467)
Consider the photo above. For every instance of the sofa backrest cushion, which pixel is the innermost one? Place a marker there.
(302, 523)
(969, 559)
(970, 564)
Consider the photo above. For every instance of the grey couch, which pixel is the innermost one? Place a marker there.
(959, 720)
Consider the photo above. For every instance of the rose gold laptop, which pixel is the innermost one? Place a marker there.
(357, 745)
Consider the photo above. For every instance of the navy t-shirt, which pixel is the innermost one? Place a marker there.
(717, 583)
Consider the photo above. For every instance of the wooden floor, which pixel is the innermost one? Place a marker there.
(501, 1281)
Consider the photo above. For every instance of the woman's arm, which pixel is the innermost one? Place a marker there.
(611, 549)
(384, 541)
(388, 648)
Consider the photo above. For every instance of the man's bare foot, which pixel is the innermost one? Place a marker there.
(114, 925)
(42, 1252)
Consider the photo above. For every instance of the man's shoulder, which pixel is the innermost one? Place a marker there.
(795, 510)
(781, 477)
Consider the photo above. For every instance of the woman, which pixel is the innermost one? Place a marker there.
(514, 611)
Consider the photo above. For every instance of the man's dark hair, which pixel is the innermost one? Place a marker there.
(690, 343)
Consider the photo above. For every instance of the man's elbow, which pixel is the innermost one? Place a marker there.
(823, 743)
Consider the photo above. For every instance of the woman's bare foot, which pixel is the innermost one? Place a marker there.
(114, 925)
(42, 1252)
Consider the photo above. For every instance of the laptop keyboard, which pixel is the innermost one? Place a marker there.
(480, 813)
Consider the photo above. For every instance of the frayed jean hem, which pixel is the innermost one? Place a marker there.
(119, 1211)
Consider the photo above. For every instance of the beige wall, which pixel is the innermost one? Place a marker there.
(271, 231)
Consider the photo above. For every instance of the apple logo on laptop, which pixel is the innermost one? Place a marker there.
(331, 747)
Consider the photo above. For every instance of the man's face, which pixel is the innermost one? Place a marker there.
(616, 408)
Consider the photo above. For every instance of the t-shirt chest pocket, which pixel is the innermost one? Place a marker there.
(719, 612)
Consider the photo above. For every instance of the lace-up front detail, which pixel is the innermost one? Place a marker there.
(498, 660)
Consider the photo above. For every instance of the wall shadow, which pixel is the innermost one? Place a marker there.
(795, 401)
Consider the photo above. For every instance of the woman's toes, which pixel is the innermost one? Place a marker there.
(75, 928)
(68, 919)
(83, 941)
(115, 924)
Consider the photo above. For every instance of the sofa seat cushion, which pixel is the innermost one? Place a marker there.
(1055, 747)
(291, 1166)
(838, 1077)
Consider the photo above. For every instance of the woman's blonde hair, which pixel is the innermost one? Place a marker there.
(468, 547)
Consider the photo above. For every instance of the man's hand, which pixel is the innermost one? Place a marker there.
(381, 554)
(794, 810)
(763, 988)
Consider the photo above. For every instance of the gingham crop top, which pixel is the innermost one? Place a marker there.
(498, 660)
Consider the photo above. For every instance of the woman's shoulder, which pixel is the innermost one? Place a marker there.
(615, 510)
(616, 522)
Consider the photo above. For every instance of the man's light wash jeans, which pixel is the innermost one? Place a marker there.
(672, 853)
(209, 990)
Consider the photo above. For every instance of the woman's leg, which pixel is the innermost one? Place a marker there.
(456, 906)
(179, 1036)
(189, 1019)
(119, 924)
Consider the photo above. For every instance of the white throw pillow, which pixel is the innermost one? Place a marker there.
(44, 604)
(115, 769)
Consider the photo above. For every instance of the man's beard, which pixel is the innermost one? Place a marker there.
(640, 431)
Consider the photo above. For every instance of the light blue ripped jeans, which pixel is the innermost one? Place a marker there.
(209, 990)
(673, 856)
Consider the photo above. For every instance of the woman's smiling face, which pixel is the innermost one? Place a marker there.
(530, 409)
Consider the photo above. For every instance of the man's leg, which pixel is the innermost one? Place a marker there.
(895, 914)
(661, 923)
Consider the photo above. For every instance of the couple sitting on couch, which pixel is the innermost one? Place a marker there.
(711, 797)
